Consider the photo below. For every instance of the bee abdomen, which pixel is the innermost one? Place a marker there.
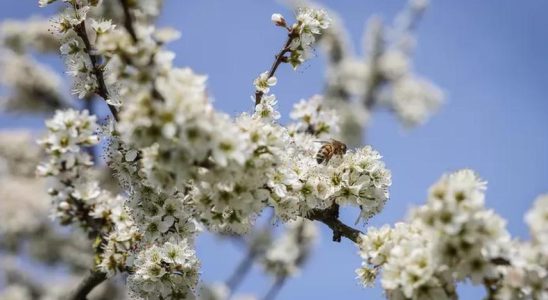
(320, 158)
(323, 154)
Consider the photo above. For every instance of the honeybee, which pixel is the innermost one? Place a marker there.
(328, 149)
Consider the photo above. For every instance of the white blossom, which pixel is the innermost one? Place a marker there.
(264, 82)
(266, 109)
(278, 20)
(102, 27)
(310, 22)
(449, 239)
(166, 271)
(315, 117)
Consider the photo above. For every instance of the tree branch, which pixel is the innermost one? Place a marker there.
(490, 288)
(93, 279)
(102, 90)
(275, 288)
(128, 20)
(279, 58)
(330, 217)
(91, 150)
(129, 25)
(253, 253)
(243, 268)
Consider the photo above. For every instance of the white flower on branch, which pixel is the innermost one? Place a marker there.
(310, 22)
(315, 117)
(266, 109)
(449, 239)
(169, 271)
(102, 27)
(278, 20)
(263, 82)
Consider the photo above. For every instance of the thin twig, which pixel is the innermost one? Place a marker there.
(243, 268)
(330, 217)
(128, 20)
(91, 150)
(89, 282)
(102, 90)
(253, 253)
(275, 288)
(281, 280)
(279, 58)
(491, 289)
(130, 27)
(376, 79)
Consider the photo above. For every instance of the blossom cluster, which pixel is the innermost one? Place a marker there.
(265, 109)
(158, 216)
(161, 214)
(81, 61)
(68, 131)
(449, 239)
(236, 194)
(527, 277)
(310, 23)
(168, 271)
(183, 165)
(76, 196)
(358, 178)
(313, 116)
(469, 238)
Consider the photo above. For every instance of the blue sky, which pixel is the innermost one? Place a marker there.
(490, 57)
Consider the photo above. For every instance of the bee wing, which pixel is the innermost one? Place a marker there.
(323, 142)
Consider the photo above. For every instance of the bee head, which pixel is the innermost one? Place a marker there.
(344, 149)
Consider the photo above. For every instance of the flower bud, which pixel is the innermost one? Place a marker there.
(64, 205)
(278, 20)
